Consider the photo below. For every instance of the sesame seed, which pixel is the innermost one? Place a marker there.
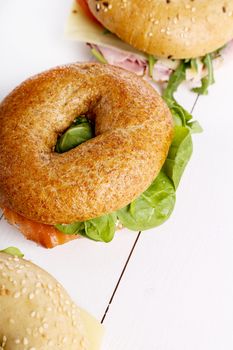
(25, 341)
(17, 295)
(31, 296)
(33, 314)
(17, 341)
(64, 340)
(50, 286)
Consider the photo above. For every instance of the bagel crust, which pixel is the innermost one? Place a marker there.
(168, 28)
(133, 132)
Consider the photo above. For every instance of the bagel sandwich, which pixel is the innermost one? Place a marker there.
(86, 149)
(37, 313)
(153, 38)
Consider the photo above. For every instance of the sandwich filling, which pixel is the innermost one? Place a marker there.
(156, 69)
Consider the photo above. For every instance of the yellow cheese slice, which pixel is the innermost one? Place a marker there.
(79, 27)
(94, 330)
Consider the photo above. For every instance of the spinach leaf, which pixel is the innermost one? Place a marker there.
(101, 228)
(70, 229)
(207, 80)
(152, 207)
(194, 127)
(13, 251)
(98, 229)
(79, 132)
(179, 154)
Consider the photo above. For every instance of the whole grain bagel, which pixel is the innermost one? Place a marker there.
(37, 313)
(133, 132)
(168, 28)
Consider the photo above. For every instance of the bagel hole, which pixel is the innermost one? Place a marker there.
(81, 130)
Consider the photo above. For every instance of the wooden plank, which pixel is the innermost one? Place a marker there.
(177, 291)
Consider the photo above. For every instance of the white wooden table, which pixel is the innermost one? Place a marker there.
(170, 288)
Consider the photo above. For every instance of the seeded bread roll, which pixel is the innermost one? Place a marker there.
(168, 28)
(133, 132)
(36, 313)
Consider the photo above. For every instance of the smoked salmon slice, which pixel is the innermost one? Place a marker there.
(46, 235)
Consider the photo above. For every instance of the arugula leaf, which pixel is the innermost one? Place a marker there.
(152, 207)
(79, 132)
(193, 64)
(13, 251)
(179, 154)
(106, 31)
(151, 62)
(98, 56)
(207, 80)
(98, 229)
(176, 78)
(181, 117)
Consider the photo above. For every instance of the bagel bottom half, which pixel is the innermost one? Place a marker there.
(39, 187)
(37, 313)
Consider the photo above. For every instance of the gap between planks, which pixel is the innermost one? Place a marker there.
(121, 276)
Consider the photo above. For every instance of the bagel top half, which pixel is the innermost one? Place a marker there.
(36, 313)
(168, 28)
(133, 132)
